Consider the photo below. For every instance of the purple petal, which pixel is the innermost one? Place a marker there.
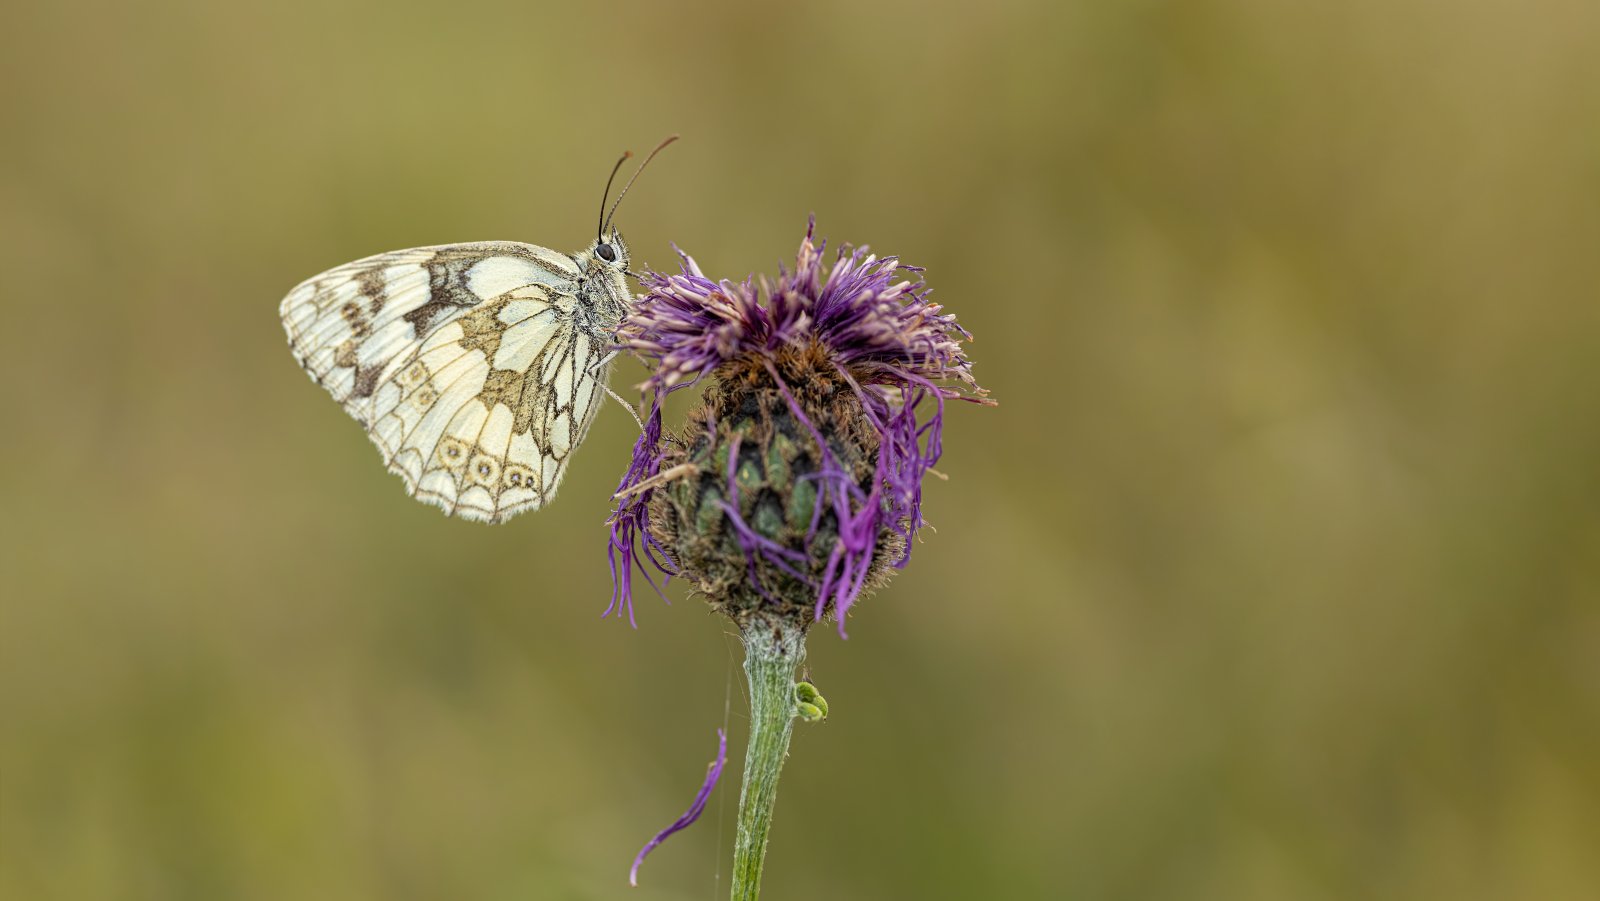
(713, 773)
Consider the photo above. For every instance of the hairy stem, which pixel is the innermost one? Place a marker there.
(773, 652)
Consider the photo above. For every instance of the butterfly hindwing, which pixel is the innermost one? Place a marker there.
(465, 364)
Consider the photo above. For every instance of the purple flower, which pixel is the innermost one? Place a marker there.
(797, 485)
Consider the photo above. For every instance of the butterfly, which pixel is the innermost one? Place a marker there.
(475, 368)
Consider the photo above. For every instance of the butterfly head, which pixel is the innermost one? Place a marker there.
(608, 253)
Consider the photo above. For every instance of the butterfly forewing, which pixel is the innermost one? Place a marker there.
(465, 363)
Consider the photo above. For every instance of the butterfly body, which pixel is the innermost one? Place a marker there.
(475, 368)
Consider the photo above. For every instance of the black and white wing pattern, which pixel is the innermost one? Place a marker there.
(465, 363)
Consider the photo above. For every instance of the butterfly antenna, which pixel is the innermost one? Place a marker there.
(606, 223)
(600, 232)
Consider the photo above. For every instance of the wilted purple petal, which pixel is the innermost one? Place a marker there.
(713, 773)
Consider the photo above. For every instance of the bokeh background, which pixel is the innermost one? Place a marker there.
(1274, 576)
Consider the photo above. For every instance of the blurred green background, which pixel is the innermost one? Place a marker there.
(1275, 576)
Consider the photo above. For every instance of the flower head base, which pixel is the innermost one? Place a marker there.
(797, 484)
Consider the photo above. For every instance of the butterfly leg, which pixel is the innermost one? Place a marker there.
(626, 406)
(595, 372)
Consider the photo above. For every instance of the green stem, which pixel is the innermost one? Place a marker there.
(772, 652)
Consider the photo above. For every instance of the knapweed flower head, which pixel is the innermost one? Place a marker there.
(796, 484)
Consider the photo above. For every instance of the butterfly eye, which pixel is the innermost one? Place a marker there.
(606, 253)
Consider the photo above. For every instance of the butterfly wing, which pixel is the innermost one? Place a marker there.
(464, 363)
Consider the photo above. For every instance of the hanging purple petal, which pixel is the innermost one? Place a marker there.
(713, 773)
